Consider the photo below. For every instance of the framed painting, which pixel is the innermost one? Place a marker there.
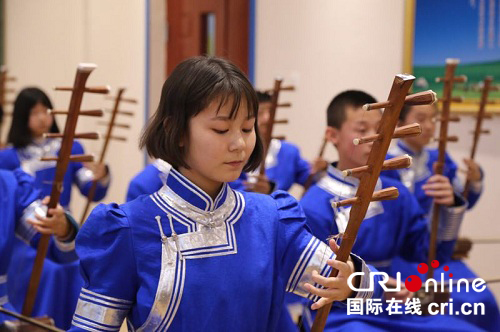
(468, 30)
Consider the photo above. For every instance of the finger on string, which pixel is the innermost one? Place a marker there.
(439, 193)
(333, 245)
(437, 178)
(43, 230)
(331, 293)
(436, 186)
(330, 282)
(59, 211)
(43, 219)
(342, 267)
(36, 222)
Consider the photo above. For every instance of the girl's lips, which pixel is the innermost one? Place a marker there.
(235, 163)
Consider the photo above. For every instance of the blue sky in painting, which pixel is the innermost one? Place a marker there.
(449, 29)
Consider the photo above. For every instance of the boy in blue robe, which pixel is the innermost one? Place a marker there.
(390, 228)
(417, 179)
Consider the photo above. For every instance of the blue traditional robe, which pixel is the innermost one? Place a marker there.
(390, 228)
(19, 202)
(65, 278)
(179, 260)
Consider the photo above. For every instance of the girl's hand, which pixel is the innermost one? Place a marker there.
(336, 288)
(56, 224)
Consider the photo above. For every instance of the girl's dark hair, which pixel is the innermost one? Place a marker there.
(191, 87)
(19, 133)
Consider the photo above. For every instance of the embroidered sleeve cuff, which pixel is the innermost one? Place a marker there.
(24, 230)
(64, 246)
(364, 283)
(313, 257)
(96, 312)
(450, 220)
(84, 175)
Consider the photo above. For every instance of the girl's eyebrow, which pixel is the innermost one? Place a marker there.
(221, 117)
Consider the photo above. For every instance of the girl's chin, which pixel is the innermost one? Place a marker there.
(230, 177)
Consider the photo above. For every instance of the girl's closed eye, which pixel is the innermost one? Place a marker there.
(220, 131)
(248, 131)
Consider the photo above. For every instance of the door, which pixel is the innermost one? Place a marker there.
(213, 27)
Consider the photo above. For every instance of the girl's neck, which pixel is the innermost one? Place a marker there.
(210, 187)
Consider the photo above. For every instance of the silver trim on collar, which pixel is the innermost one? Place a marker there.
(341, 190)
(201, 217)
(206, 239)
(418, 171)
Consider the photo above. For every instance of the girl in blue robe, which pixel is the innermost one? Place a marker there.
(197, 255)
(22, 215)
(31, 120)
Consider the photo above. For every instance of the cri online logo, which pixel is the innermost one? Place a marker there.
(413, 283)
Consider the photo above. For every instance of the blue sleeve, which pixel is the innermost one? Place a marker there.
(28, 202)
(83, 176)
(302, 168)
(135, 189)
(148, 181)
(9, 159)
(321, 224)
(108, 267)
(299, 252)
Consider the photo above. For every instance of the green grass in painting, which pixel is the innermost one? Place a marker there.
(475, 73)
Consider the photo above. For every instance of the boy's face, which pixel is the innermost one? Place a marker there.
(358, 123)
(218, 147)
(424, 115)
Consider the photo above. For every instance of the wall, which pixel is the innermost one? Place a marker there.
(45, 41)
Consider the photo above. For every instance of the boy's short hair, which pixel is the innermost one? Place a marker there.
(336, 111)
(191, 87)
